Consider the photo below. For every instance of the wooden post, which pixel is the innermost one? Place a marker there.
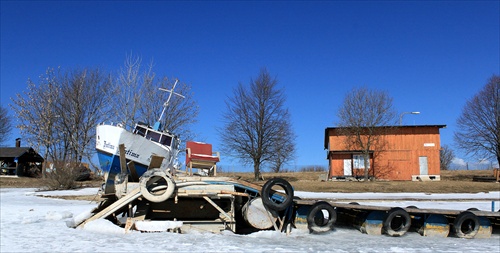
(123, 160)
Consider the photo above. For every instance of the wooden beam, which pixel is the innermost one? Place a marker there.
(133, 195)
(133, 172)
(123, 160)
(155, 162)
(229, 218)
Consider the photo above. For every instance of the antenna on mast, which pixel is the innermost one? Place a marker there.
(157, 125)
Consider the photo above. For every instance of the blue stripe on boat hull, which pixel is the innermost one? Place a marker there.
(111, 164)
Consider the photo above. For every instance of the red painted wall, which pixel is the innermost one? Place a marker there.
(397, 158)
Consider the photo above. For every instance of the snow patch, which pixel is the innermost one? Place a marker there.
(103, 226)
(54, 215)
(41, 222)
(79, 218)
(157, 226)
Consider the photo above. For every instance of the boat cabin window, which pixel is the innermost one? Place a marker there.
(154, 136)
(166, 140)
(140, 130)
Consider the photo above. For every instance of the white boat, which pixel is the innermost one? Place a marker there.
(141, 144)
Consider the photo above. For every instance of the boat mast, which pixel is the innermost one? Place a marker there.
(157, 125)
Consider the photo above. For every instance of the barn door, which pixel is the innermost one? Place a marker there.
(347, 167)
(424, 169)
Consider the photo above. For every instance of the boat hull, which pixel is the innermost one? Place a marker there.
(137, 149)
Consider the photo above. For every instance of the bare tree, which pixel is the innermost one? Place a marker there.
(127, 91)
(257, 125)
(180, 113)
(478, 127)
(446, 156)
(139, 99)
(5, 125)
(59, 114)
(36, 114)
(80, 107)
(284, 146)
(363, 117)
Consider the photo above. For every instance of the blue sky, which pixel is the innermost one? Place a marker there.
(430, 56)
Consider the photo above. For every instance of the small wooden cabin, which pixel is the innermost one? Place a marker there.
(20, 161)
(403, 153)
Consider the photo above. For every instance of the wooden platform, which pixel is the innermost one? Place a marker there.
(387, 208)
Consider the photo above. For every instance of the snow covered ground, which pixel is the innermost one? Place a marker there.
(31, 223)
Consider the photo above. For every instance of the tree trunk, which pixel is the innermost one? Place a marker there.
(256, 171)
(498, 160)
(366, 163)
(44, 165)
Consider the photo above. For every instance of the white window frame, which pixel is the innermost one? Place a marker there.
(358, 161)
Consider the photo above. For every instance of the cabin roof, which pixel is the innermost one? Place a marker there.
(26, 153)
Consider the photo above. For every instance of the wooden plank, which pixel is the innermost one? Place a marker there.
(133, 172)
(123, 160)
(203, 179)
(235, 193)
(155, 162)
(452, 212)
(256, 187)
(228, 217)
(133, 195)
(387, 208)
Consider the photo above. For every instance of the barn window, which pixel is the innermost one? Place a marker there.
(359, 162)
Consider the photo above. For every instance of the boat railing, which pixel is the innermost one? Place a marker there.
(121, 125)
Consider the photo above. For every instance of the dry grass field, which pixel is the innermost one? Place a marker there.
(29, 182)
(451, 182)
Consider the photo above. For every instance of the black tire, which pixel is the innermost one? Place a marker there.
(412, 207)
(267, 193)
(397, 222)
(318, 224)
(466, 225)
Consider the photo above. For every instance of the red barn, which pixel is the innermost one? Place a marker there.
(408, 153)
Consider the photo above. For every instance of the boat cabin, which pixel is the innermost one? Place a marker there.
(153, 135)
